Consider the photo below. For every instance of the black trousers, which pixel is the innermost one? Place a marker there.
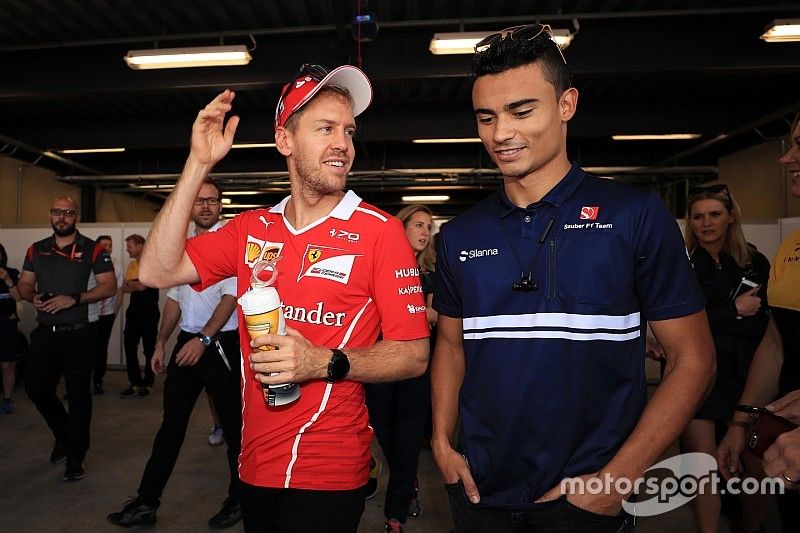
(104, 326)
(181, 389)
(556, 516)
(271, 510)
(140, 324)
(398, 413)
(51, 355)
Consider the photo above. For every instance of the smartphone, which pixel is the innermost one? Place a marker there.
(752, 409)
(745, 286)
(46, 296)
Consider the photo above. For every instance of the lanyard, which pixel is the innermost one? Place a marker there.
(71, 255)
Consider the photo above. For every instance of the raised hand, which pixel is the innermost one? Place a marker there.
(210, 141)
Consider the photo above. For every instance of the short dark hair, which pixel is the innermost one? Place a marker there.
(213, 183)
(507, 53)
(104, 238)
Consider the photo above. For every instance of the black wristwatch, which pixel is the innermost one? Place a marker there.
(77, 298)
(205, 339)
(338, 366)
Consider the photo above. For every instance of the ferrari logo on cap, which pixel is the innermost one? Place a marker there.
(314, 254)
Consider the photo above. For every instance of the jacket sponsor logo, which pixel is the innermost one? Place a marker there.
(589, 225)
(314, 254)
(411, 289)
(256, 249)
(472, 254)
(414, 309)
(405, 272)
(334, 264)
(317, 315)
(589, 212)
(344, 235)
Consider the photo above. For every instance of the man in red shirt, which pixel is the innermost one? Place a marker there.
(346, 276)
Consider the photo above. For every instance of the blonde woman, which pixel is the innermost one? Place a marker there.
(398, 411)
(737, 314)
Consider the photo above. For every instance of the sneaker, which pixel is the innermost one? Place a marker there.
(414, 510)
(393, 526)
(141, 392)
(58, 455)
(130, 392)
(7, 407)
(216, 437)
(98, 389)
(371, 488)
(74, 471)
(230, 513)
(135, 512)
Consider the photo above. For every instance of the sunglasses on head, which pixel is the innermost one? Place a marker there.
(315, 72)
(526, 32)
(711, 189)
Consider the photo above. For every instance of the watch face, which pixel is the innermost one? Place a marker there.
(338, 367)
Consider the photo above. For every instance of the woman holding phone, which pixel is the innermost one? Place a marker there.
(775, 373)
(733, 276)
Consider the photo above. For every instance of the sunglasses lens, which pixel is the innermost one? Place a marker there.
(316, 72)
(516, 33)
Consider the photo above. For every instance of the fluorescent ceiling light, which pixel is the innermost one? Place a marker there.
(784, 30)
(240, 193)
(464, 42)
(91, 150)
(426, 198)
(245, 206)
(254, 145)
(664, 137)
(198, 56)
(453, 140)
(226, 201)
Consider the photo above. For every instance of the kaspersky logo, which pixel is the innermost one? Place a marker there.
(473, 254)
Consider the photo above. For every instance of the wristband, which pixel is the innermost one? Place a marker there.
(77, 298)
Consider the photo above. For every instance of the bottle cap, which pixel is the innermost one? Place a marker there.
(262, 297)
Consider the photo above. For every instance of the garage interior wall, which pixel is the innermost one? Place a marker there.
(27, 190)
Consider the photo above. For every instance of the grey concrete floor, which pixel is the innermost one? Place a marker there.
(33, 497)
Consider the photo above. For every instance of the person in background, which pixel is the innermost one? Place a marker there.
(206, 354)
(141, 322)
(398, 411)
(105, 322)
(9, 296)
(738, 317)
(543, 291)
(217, 435)
(774, 376)
(64, 276)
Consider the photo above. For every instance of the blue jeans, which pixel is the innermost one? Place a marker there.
(556, 516)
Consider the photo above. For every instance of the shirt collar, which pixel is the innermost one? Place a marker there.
(77, 242)
(555, 196)
(343, 210)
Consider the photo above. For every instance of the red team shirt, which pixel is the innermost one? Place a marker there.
(343, 281)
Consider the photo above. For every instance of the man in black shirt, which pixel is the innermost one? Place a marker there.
(64, 276)
(141, 322)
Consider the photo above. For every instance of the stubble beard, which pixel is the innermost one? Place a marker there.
(63, 232)
(313, 178)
